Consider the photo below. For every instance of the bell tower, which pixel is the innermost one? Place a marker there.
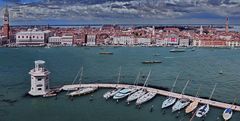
(6, 27)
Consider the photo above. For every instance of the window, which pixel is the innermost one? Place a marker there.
(39, 79)
(18, 36)
(22, 36)
(39, 89)
(33, 36)
(39, 85)
(26, 36)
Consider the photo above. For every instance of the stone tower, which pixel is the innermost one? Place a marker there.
(39, 79)
(6, 27)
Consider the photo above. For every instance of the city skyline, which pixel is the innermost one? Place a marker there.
(30, 12)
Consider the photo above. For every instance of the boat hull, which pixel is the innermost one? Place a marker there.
(202, 111)
(191, 107)
(227, 114)
(168, 102)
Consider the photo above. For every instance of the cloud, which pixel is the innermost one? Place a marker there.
(122, 9)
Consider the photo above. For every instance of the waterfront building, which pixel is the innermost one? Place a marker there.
(39, 79)
(3, 40)
(67, 40)
(6, 27)
(144, 41)
(161, 42)
(233, 43)
(172, 39)
(184, 42)
(123, 40)
(91, 40)
(55, 40)
(32, 37)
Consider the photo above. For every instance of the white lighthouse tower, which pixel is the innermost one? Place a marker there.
(39, 79)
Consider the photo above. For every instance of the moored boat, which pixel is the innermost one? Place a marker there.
(170, 100)
(136, 95)
(148, 96)
(202, 111)
(227, 114)
(180, 104)
(124, 92)
(194, 104)
(83, 91)
(106, 53)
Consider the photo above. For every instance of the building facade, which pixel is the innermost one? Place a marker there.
(32, 37)
(91, 40)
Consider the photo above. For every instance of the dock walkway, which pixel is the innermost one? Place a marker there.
(160, 92)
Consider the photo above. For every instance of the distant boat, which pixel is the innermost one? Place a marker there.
(106, 53)
(177, 50)
(151, 62)
(220, 72)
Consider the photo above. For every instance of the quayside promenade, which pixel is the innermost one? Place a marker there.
(159, 92)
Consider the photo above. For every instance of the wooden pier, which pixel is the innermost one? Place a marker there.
(160, 92)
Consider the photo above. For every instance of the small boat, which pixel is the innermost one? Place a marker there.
(106, 53)
(151, 62)
(227, 114)
(177, 50)
(124, 92)
(202, 111)
(50, 95)
(170, 100)
(145, 98)
(83, 91)
(180, 104)
(220, 72)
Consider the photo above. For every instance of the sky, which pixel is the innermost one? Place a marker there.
(122, 11)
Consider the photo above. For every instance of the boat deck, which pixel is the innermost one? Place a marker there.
(160, 92)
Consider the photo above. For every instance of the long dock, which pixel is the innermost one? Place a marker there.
(159, 92)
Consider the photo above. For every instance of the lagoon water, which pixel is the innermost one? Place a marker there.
(201, 66)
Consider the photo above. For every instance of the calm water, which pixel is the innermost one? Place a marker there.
(200, 66)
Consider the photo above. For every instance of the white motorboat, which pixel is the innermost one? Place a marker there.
(83, 91)
(227, 114)
(202, 111)
(111, 93)
(124, 92)
(180, 104)
(136, 95)
(145, 98)
(170, 100)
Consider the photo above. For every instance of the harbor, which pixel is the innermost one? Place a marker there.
(102, 72)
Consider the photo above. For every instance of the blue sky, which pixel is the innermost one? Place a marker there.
(122, 11)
